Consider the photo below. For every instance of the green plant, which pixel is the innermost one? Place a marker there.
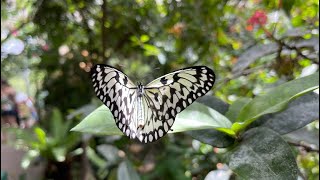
(251, 129)
(54, 145)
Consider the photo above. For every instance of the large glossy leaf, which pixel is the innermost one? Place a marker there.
(211, 136)
(236, 107)
(300, 112)
(127, 172)
(199, 116)
(100, 121)
(304, 136)
(263, 154)
(275, 100)
(196, 116)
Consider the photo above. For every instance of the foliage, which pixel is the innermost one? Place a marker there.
(252, 45)
(55, 145)
(261, 147)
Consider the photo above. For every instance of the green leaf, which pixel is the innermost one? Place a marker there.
(57, 128)
(100, 122)
(236, 107)
(212, 137)
(59, 153)
(150, 50)
(275, 100)
(300, 112)
(196, 116)
(28, 158)
(127, 172)
(41, 135)
(263, 154)
(144, 38)
(95, 158)
(199, 116)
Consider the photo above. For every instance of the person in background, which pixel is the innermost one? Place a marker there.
(17, 109)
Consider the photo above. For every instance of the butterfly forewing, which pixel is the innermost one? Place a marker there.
(118, 93)
(161, 101)
(170, 94)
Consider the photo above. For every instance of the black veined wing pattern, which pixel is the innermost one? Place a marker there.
(148, 112)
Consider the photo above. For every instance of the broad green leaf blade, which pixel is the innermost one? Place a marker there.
(127, 172)
(212, 137)
(199, 116)
(307, 136)
(263, 154)
(236, 107)
(300, 112)
(100, 122)
(275, 100)
(196, 116)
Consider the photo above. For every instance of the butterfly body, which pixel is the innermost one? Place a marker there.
(148, 112)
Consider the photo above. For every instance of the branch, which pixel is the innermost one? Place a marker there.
(306, 147)
(283, 44)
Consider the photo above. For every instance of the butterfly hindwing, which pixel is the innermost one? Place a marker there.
(162, 98)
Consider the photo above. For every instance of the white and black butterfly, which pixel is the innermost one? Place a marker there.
(148, 112)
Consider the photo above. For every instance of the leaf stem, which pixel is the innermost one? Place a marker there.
(305, 146)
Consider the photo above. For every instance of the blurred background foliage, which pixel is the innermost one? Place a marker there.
(48, 48)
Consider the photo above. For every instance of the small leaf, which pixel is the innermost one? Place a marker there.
(275, 100)
(144, 38)
(263, 154)
(127, 172)
(59, 153)
(41, 135)
(150, 50)
(95, 158)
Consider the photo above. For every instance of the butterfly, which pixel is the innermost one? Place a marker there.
(148, 112)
